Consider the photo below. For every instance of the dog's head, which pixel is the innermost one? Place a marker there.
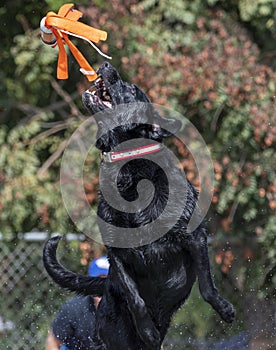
(109, 91)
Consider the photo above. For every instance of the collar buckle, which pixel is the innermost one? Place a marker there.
(106, 157)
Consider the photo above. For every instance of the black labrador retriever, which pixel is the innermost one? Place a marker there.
(150, 280)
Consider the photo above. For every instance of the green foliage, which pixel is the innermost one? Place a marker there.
(258, 9)
(27, 199)
(203, 324)
(267, 239)
(54, 5)
(260, 16)
(34, 64)
(17, 18)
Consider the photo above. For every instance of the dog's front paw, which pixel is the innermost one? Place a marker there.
(226, 311)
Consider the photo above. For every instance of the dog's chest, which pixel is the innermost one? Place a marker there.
(158, 269)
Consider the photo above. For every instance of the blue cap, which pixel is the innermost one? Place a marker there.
(98, 267)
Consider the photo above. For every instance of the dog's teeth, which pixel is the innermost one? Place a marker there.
(92, 91)
(106, 96)
(107, 104)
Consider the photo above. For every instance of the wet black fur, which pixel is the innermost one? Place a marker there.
(147, 284)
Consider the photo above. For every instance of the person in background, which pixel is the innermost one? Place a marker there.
(74, 325)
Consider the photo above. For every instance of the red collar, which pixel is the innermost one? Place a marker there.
(111, 157)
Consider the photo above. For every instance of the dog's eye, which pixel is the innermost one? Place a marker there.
(128, 98)
(156, 127)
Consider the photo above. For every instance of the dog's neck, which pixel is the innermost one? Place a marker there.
(112, 157)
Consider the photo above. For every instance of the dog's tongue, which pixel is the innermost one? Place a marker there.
(107, 104)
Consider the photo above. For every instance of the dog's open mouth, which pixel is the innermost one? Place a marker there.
(100, 94)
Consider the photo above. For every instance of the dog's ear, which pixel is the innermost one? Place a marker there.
(103, 142)
(140, 95)
(165, 127)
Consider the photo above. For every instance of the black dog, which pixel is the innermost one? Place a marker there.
(147, 283)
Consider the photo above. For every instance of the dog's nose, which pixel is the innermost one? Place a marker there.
(107, 65)
(104, 68)
(109, 73)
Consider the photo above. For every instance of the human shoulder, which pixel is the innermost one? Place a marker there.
(71, 312)
(78, 303)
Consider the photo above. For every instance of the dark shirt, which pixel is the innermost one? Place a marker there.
(237, 342)
(74, 325)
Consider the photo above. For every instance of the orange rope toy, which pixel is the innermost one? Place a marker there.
(55, 29)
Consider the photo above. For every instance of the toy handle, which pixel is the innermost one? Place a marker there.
(46, 34)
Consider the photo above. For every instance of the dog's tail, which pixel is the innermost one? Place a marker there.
(67, 279)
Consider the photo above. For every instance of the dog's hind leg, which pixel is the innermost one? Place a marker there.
(199, 250)
(137, 307)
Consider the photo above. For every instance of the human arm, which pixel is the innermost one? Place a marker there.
(52, 343)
